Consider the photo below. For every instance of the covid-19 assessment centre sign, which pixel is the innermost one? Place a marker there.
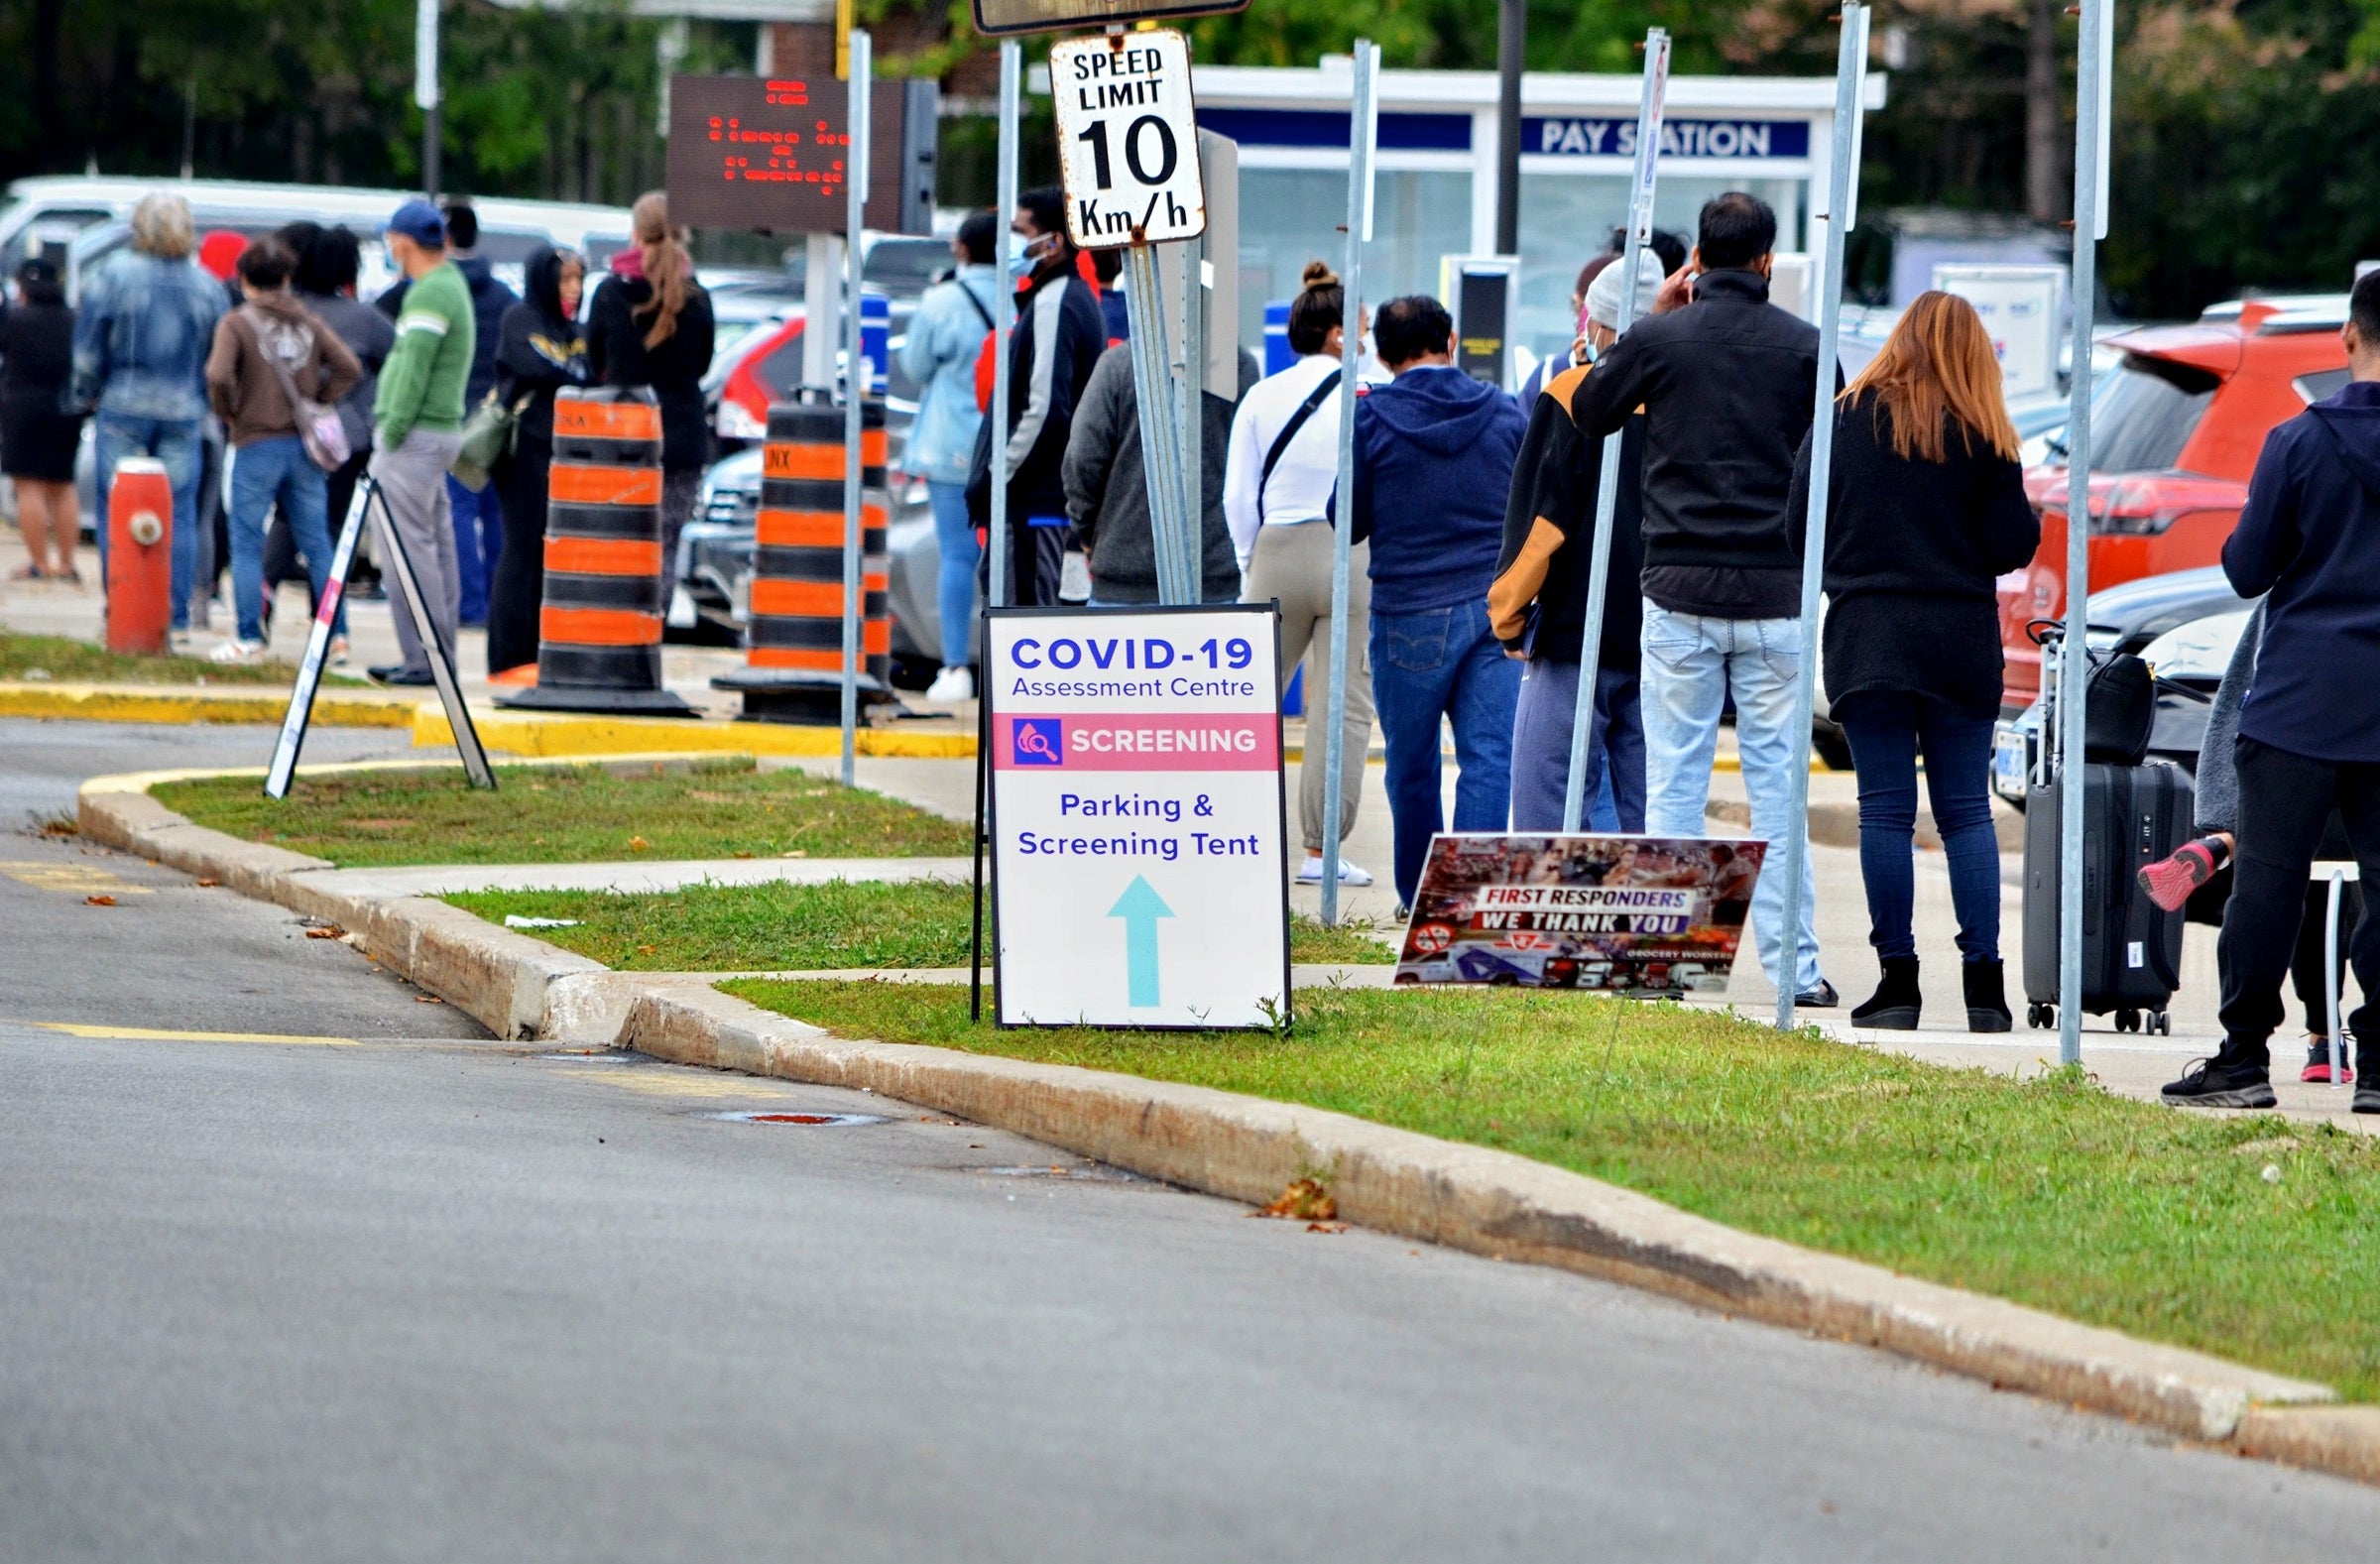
(1138, 817)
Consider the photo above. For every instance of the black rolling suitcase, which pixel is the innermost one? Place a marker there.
(2133, 813)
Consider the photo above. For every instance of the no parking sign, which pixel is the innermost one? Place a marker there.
(1138, 816)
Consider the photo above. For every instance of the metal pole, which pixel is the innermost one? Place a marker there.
(1511, 52)
(1153, 394)
(2338, 885)
(1607, 491)
(2090, 113)
(1190, 410)
(1004, 321)
(1851, 81)
(1359, 206)
(855, 384)
(425, 89)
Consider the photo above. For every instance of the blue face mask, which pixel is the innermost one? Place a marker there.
(1022, 264)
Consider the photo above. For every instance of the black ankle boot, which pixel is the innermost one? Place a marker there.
(1986, 998)
(1896, 1002)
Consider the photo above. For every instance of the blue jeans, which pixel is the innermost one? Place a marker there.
(954, 587)
(1689, 664)
(1541, 733)
(1888, 732)
(1442, 663)
(478, 543)
(271, 472)
(175, 442)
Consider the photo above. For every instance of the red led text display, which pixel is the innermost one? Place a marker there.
(770, 153)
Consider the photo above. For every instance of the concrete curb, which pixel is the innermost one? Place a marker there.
(1247, 1148)
(252, 703)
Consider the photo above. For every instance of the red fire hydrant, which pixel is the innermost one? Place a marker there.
(140, 557)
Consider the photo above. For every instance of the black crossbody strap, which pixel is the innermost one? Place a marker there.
(1297, 420)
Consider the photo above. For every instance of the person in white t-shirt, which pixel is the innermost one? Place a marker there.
(1278, 473)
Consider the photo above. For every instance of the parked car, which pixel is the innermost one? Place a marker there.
(2175, 432)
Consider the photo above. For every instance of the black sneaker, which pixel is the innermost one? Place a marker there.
(2366, 1100)
(397, 674)
(2224, 1082)
(1823, 997)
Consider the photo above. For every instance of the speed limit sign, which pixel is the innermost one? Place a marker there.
(1127, 141)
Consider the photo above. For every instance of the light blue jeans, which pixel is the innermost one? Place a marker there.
(176, 443)
(1689, 664)
(270, 472)
(954, 587)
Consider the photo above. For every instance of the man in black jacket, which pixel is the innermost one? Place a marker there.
(1056, 343)
(1727, 381)
(1538, 602)
(2310, 728)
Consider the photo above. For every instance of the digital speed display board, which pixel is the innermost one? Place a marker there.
(766, 154)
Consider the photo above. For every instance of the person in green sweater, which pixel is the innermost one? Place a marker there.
(417, 422)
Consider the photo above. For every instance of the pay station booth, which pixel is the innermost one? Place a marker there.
(1436, 177)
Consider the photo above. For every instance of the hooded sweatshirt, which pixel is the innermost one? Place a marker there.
(1434, 457)
(2309, 535)
(539, 349)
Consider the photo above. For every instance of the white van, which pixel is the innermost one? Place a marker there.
(46, 213)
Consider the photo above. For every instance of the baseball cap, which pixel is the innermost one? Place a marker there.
(421, 223)
(1602, 295)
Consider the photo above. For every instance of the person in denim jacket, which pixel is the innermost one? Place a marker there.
(140, 340)
(945, 339)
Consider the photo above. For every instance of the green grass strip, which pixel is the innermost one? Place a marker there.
(2243, 1236)
(68, 662)
(780, 927)
(568, 814)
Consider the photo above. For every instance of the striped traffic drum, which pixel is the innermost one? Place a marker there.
(794, 663)
(599, 630)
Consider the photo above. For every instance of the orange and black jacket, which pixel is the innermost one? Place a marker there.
(1538, 602)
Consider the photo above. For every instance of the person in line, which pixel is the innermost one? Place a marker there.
(267, 349)
(542, 349)
(1537, 603)
(1926, 509)
(1280, 471)
(1670, 253)
(140, 338)
(1055, 345)
(478, 524)
(650, 324)
(2308, 542)
(1726, 381)
(946, 338)
(327, 263)
(38, 436)
(1435, 451)
(1107, 488)
(2172, 882)
(417, 431)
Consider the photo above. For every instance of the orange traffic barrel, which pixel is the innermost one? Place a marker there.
(599, 626)
(793, 661)
(140, 557)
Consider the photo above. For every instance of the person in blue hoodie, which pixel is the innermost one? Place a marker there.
(2308, 542)
(1434, 457)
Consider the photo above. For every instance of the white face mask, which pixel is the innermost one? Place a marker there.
(1022, 264)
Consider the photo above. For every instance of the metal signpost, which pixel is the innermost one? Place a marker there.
(1362, 135)
(1127, 146)
(1004, 319)
(1843, 212)
(1607, 491)
(855, 386)
(2094, 71)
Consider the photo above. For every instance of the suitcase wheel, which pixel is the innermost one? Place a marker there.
(2127, 1020)
(2161, 1022)
(2038, 1016)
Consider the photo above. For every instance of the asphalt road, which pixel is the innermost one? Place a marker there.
(413, 1294)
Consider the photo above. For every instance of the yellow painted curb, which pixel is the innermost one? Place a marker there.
(178, 704)
(564, 734)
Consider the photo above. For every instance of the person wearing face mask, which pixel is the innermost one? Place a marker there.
(541, 348)
(1672, 253)
(1537, 605)
(1057, 340)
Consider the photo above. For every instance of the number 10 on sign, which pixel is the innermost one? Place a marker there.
(1128, 139)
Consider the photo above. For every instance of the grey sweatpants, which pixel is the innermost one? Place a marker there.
(412, 475)
(1293, 564)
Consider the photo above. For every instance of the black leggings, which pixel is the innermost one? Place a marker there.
(518, 593)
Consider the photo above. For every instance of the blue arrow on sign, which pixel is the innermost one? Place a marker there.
(1141, 907)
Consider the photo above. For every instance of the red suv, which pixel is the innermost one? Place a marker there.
(2174, 431)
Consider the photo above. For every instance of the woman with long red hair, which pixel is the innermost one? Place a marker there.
(1926, 506)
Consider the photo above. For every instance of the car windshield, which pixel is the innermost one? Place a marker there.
(2144, 414)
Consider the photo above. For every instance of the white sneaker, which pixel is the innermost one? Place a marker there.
(953, 685)
(237, 651)
(1309, 873)
(338, 655)
(180, 642)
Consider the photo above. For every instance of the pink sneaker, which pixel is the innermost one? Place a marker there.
(2170, 882)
